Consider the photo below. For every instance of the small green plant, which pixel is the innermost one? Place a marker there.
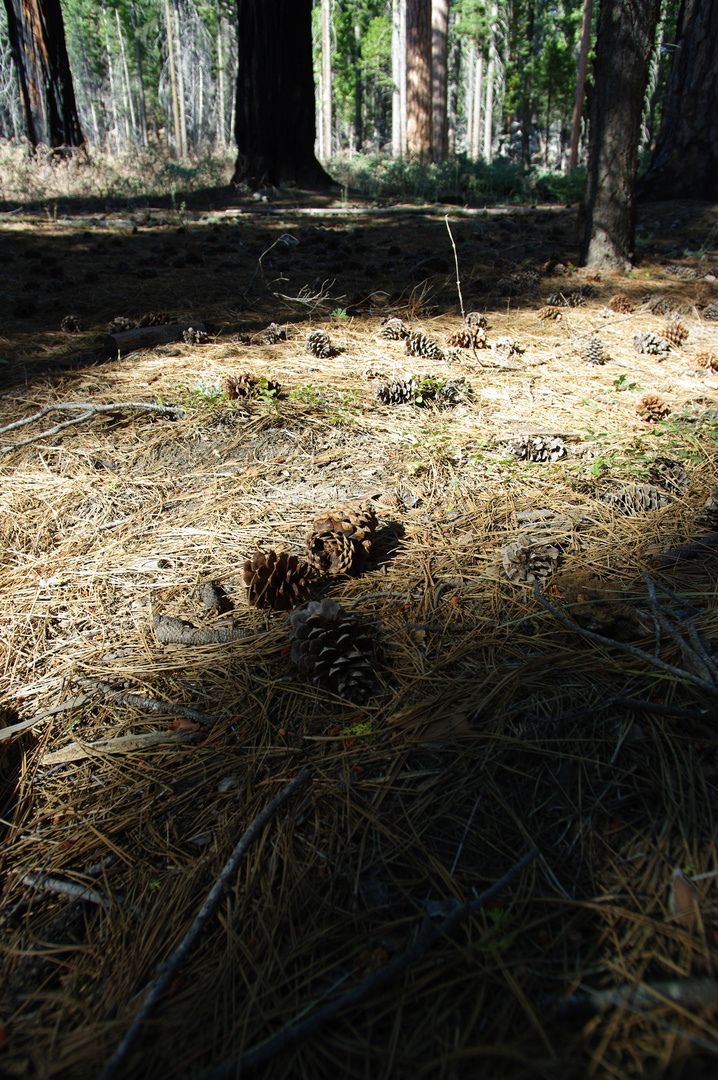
(622, 383)
(360, 729)
(310, 395)
(339, 313)
(267, 393)
(496, 938)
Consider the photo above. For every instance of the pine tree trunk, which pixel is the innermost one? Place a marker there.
(469, 97)
(358, 91)
(37, 40)
(141, 87)
(128, 88)
(221, 111)
(580, 83)
(180, 83)
(478, 94)
(396, 70)
(490, 78)
(418, 79)
(111, 76)
(439, 79)
(626, 30)
(685, 161)
(326, 95)
(275, 117)
(173, 78)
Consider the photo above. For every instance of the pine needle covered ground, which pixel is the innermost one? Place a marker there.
(564, 459)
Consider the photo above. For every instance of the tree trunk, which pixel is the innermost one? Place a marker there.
(37, 40)
(221, 111)
(626, 29)
(173, 78)
(685, 161)
(275, 117)
(358, 91)
(396, 71)
(490, 79)
(418, 78)
(126, 73)
(439, 79)
(580, 83)
(111, 76)
(180, 83)
(478, 94)
(141, 86)
(326, 96)
(469, 97)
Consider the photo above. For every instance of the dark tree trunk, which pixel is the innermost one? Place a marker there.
(685, 161)
(275, 117)
(37, 39)
(626, 29)
(418, 78)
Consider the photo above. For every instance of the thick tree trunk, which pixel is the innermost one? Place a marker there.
(37, 39)
(439, 79)
(626, 30)
(418, 78)
(580, 83)
(685, 161)
(275, 118)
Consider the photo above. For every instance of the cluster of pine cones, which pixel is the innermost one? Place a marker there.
(335, 650)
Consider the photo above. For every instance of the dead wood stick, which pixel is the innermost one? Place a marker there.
(696, 550)
(648, 658)
(171, 966)
(692, 993)
(87, 410)
(153, 704)
(146, 337)
(25, 725)
(429, 932)
(64, 888)
(171, 631)
(123, 744)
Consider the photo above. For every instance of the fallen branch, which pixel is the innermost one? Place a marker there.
(25, 725)
(170, 968)
(690, 993)
(153, 704)
(429, 932)
(146, 337)
(696, 550)
(87, 410)
(123, 744)
(64, 888)
(172, 631)
(708, 687)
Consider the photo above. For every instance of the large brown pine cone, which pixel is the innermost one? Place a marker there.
(341, 539)
(276, 581)
(334, 650)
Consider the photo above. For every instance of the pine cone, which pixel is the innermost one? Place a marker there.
(594, 353)
(536, 448)
(335, 650)
(684, 273)
(194, 337)
(418, 344)
(669, 475)
(621, 303)
(276, 581)
(710, 312)
(248, 386)
(341, 539)
(549, 312)
(707, 358)
(274, 333)
(505, 347)
(397, 392)
(646, 342)
(474, 320)
(453, 391)
(156, 318)
(529, 560)
(556, 299)
(636, 498)
(675, 334)
(652, 407)
(709, 512)
(394, 329)
(120, 324)
(72, 324)
(587, 291)
(319, 344)
(576, 298)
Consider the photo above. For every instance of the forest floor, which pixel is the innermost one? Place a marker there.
(499, 725)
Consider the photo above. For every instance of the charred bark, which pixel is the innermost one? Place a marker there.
(685, 161)
(626, 29)
(37, 40)
(275, 117)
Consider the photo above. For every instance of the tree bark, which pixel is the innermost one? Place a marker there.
(685, 161)
(580, 83)
(490, 79)
(418, 78)
(326, 96)
(439, 79)
(397, 97)
(626, 30)
(173, 78)
(275, 117)
(37, 40)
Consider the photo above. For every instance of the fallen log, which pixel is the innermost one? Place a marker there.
(146, 337)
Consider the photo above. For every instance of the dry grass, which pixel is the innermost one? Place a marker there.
(497, 728)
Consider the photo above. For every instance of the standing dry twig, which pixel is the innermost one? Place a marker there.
(456, 261)
(170, 968)
(87, 410)
(429, 932)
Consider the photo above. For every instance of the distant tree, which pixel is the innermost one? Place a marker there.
(418, 78)
(685, 161)
(439, 79)
(275, 118)
(37, 39)
(626, 30)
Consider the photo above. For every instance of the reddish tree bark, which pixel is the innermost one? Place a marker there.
(37, 40)
(685, 161)
(439, 79)
(626, 29)
(418, 78)
(275, 117)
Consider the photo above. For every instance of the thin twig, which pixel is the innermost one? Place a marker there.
(170, 968)
(153, 704)
(87, 411)
(652, 661)
(64, 888)
(456, 261)
(664, 623)
(122, 744)
(429, 932)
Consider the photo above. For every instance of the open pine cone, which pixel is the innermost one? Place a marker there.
(707, 358)
(529, 560)
(652, 407)
(621, 303)
(341, 539)
(280, 582)
(335, 650)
